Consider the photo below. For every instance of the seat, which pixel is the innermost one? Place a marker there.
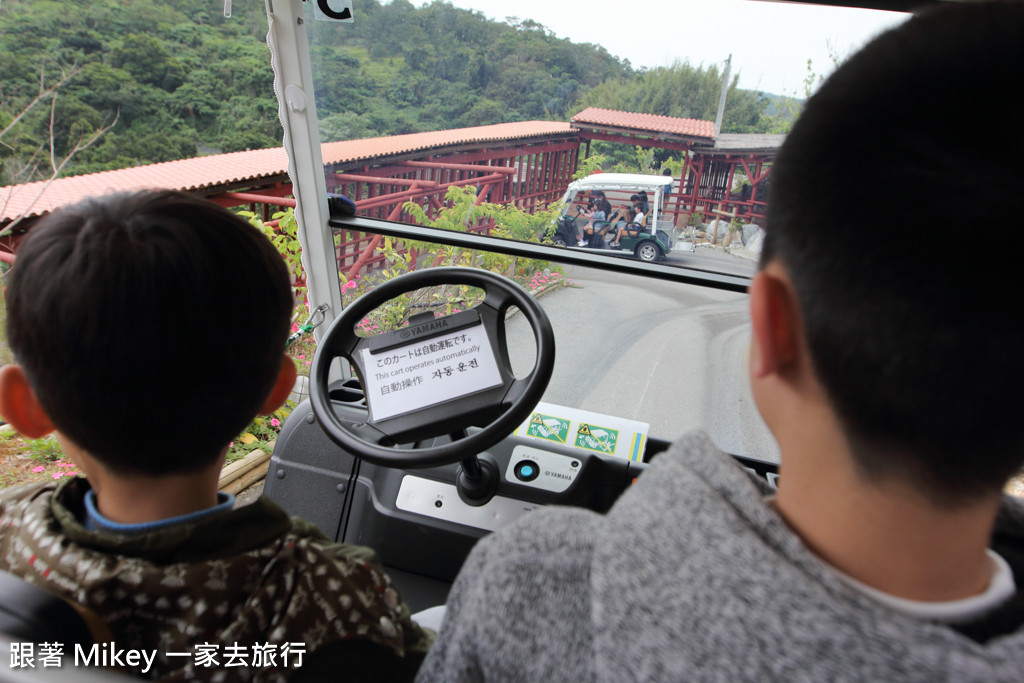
(32, 614)
(600, 230)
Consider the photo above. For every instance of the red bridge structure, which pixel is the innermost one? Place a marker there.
(710, 164)
(528, 163)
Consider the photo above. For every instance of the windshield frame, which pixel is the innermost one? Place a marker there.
(294, 88)
(561, 255)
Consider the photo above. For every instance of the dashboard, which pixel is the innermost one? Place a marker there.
(415, 519)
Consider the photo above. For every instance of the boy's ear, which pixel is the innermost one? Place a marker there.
(776, 323)
(284, 385)
(19, 405)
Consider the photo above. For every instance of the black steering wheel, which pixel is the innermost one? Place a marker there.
(497, 409)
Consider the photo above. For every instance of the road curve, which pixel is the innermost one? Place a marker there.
(668, 354)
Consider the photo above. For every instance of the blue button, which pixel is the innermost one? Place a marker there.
(526, 470)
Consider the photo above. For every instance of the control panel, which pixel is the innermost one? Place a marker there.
(542, 469)
(526, 466)
(440, 500)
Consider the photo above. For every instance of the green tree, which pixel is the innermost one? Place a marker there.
(346, 126)
(483, 112)
(682, 90)
(40, 135)
(145, 58)
(787, 108)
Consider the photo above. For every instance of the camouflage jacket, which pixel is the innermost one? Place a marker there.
(239, 596)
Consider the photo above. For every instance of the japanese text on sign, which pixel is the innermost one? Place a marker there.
(427, 373)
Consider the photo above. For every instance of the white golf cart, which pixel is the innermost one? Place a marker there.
(597, 215)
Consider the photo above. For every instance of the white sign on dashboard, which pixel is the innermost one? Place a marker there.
(429, 372)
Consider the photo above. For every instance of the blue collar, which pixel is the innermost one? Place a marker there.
(94, 521)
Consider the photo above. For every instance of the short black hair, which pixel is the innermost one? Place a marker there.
(151, 326)
(881, 196)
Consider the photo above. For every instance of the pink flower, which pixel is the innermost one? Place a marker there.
(39, 468)
(274, 422)
(65, 464)
(58, 475)
(301, 356)
(295, 327)
(309, 362)
(231, 444)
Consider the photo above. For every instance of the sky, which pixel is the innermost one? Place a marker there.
(770, 42)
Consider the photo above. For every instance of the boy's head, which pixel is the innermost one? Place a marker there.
(150, 327)
(892, 206)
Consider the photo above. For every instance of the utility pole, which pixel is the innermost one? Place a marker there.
(721, 100)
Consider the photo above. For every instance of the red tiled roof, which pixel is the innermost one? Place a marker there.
(34, 199)
(649, 123)
(352, 150)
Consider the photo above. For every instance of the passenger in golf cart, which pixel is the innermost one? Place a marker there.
(145, 541)
(634, 219)
(589, 219)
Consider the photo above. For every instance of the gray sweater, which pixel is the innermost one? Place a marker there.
(691, 576)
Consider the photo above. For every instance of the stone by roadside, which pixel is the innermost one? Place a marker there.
(250, 494)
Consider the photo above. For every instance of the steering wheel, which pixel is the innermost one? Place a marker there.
(497, 409)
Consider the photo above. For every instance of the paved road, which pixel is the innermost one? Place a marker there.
(668, 354)
(715, 259)
(707, 258)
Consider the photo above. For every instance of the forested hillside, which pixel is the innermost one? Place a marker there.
(176, 73)
(180, 79)
(402, 69)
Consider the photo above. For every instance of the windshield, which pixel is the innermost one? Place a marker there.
(619, 137)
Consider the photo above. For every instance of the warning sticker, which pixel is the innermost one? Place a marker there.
(548, 427)
(595, 438)
(594, 432)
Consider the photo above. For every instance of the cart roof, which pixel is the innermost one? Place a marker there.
(621, 181)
